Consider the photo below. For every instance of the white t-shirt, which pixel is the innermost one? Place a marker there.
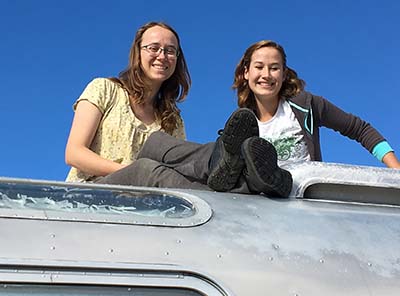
(284, 132)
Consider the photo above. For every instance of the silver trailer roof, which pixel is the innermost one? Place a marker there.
(338, 233)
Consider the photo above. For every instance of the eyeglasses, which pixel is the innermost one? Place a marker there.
(154, 50)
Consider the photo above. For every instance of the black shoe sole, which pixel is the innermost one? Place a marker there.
(242, 124)
(262, 171)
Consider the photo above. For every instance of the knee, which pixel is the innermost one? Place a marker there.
(145, 165)
(156, 136)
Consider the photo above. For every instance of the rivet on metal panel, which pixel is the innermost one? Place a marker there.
(178, 241)
(321, 260)
(275, 246)
(166, 253)
(52, 235)
(111, 250)
(369, 264)
(270, 258)
(53, 248)
(219, 256)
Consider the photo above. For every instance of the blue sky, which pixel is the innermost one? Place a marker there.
(346, 51)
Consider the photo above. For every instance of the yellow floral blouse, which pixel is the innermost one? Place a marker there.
(120, 134)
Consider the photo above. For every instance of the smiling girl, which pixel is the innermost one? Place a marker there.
(114, 116)
(290, 117)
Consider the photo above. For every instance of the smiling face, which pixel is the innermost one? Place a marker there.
(158, 67)
(265, 74)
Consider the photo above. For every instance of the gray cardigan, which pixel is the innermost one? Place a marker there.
(312, 112)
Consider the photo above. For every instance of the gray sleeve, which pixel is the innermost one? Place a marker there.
(347, 124)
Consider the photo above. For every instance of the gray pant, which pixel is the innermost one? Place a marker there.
(165, 161)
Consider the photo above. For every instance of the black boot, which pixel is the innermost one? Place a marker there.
(262, 171)
(226, 163)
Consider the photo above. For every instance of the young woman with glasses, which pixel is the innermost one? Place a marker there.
(114, 116)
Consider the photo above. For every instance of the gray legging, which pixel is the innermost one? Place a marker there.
(165, 161)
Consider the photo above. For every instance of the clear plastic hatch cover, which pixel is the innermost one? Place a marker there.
(93, 200)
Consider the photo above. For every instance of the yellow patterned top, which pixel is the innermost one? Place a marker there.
(120, 134)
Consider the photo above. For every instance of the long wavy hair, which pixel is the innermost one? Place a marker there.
(172, 91)
(291, 86)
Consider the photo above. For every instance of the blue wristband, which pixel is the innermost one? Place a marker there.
(381, 149)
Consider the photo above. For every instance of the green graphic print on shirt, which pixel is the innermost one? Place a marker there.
(286, 148)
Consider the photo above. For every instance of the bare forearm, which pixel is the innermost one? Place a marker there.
(391, 161)
(91, 163)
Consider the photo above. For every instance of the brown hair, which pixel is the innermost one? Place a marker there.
(173, 90)
(291, 86)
